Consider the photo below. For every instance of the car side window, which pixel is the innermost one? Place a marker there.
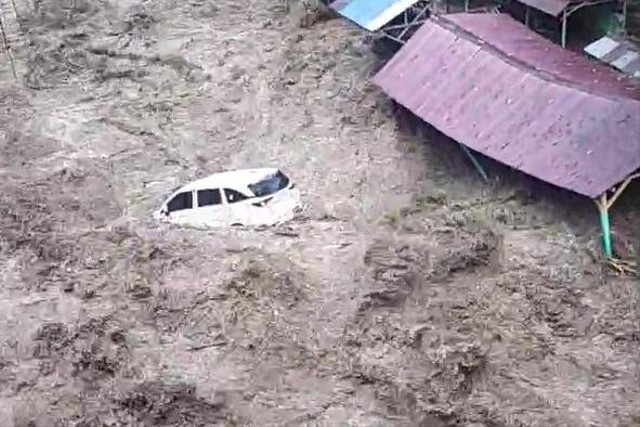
(209, 197)
(181, 202)
(234, 196)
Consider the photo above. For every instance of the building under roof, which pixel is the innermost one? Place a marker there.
(562, 9)
(490, 83)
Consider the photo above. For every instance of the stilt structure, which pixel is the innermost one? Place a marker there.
(412, 18)
(604, 204)
(570, 122)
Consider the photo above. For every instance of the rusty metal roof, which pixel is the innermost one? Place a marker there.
(552, 7)
(490, 83)
(339, 4)
(519, 44)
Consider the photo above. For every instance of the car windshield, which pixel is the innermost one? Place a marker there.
(270, 184)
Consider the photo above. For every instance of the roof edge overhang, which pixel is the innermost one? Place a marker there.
(554, 9)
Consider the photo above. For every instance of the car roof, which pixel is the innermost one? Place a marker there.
(236, 180)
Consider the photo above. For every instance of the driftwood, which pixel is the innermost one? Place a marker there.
(624, 267)
(6, 47)
(15, 9)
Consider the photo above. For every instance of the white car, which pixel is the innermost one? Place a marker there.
(247, 197)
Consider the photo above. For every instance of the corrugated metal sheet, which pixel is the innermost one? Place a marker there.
(372, 14)
(339, 4)
(490, 83)
(552, 7)
(519, 43)
(621, 54)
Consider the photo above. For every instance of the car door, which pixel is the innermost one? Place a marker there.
(210, 208)
(238, 206)
(180, 208)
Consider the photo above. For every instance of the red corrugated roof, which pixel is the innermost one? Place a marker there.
(490, 83)
(535, 52)
(552, 7)
(339, 4)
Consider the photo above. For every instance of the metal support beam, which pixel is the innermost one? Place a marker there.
(604, 204)
(466, 6)
(618, 191)
(570, 10)
(527, 12)
(605, 224)
(392, 37)
(564, 28)
(476, 162)
(414, 21)
(403, 26)
(417, 20)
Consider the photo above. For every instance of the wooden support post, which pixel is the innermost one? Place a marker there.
(617, 192)
(15, 9)
(7, 48)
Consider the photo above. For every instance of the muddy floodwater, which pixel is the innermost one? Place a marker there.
(406, 292)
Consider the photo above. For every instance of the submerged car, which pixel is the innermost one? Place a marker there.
(248, 197)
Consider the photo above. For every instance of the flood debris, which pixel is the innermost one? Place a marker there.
(409, 294)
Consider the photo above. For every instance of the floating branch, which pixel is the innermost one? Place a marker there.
(7, 48)
(15, 9)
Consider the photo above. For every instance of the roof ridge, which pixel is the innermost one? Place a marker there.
(450, 25)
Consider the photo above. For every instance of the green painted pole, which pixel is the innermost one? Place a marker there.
(475, 162)
(606, 232)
